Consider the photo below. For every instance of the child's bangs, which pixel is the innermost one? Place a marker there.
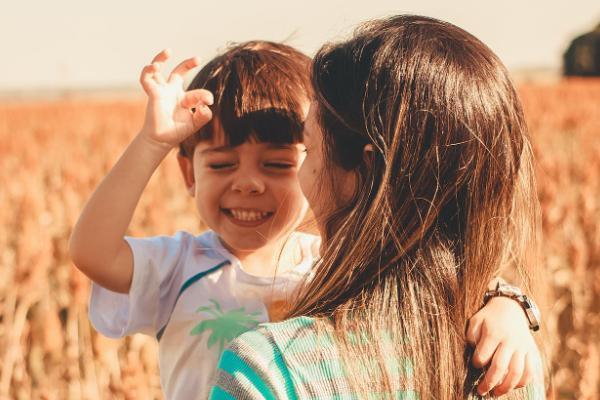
(266, 125)
(255, 108)
(261, 90)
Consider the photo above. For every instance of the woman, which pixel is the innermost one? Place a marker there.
(418, 171)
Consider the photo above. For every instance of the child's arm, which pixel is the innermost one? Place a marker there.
(97, 246)
(502, 339)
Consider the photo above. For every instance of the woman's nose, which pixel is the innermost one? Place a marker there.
(248, 183)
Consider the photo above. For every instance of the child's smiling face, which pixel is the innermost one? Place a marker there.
(248, 194)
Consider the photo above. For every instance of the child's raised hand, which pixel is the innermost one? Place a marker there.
(503, 342)
(169, 116)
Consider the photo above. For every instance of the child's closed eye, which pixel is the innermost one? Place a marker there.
(221, 166)
(279, 165)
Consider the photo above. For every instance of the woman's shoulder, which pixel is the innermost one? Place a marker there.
(274, 335)
(298, 343)
(288, 325)
(254, 363)
(271, 343)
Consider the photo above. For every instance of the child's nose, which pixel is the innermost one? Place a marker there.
(248, 183)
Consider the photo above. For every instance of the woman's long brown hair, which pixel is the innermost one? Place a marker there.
(445, 201)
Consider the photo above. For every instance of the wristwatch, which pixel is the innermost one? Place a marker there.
(532, 312)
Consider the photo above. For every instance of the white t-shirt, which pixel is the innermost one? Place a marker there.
(193, 296)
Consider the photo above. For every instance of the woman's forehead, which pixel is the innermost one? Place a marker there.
(311, 123)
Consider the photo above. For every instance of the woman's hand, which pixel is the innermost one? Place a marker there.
(169, 116)
(503, 342)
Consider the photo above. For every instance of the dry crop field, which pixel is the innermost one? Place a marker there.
(52, 154)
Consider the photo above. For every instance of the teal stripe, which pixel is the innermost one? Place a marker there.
(186, 285)
(219, 394)
(285, 372)
(235, 366)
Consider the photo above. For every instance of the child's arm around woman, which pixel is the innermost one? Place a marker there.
(97, 244)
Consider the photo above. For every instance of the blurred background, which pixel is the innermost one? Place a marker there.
(70, 103)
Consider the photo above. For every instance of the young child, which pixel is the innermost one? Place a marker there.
(196, 293)
(239, 155)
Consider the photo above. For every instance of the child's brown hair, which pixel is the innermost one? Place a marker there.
(260, 90)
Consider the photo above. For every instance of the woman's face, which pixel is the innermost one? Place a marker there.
(326, 186)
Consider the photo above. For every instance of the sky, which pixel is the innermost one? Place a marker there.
(79, 44)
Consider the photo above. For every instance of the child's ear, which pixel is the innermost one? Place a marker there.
(368, 155)
(186, 165)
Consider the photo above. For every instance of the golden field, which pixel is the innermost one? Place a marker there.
(52, 155)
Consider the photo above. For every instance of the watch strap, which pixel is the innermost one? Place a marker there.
(512, 292)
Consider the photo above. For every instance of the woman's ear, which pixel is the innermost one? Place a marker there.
(368, 155)
(186, 165)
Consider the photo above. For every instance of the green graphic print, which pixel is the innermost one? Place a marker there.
(225, 326)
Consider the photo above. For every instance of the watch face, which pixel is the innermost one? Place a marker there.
(510, 290)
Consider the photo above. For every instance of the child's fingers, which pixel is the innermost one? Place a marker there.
(157, 62)
(193, 97)
(151, 74)
(147, 78)
(529, 371)
(474, 331)
(496, 371)
(180, 70)
(162, 56)
(485, 348)
(199, 100)
(512, 378)
(202, 114)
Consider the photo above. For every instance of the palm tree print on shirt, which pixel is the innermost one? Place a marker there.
(226, 325)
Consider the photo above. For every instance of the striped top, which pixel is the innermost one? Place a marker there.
(288, 360)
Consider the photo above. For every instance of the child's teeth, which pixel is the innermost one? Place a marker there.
(244, 215)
